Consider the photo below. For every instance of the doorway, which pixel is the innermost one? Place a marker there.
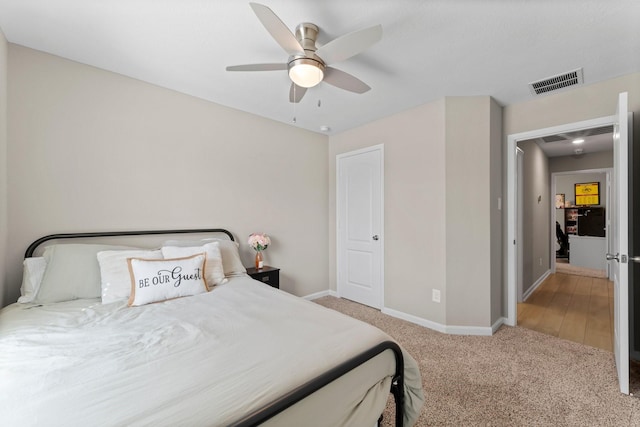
(618, 226)
(360, 222)
(574, 300)
(514, 247)
(582, 224)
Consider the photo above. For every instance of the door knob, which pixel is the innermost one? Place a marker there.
(611, 257)
(375, 237)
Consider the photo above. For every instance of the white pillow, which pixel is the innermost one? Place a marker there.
(114, 272)
(31, 277)
(160, 280)
(213, 274)
(231, 263)
(72, 272)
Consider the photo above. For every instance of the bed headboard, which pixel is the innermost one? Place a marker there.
(64, 236)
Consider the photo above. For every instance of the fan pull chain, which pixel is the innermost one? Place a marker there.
(294, 104)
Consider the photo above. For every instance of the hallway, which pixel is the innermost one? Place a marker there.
(575, 308)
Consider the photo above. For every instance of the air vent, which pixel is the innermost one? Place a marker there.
(560, 81)
(553, 138)
(598, 131)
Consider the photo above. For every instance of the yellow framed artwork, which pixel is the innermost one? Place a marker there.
(588, 194)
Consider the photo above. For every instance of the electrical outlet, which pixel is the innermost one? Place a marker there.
(540, 262)
(435, 295)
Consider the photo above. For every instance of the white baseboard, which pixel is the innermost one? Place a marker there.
(535, 285)
(445, 329)
(321, 294)
(501, 321)
(415, 319)
(470, 330)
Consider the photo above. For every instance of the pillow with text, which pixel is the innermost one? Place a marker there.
(160, 280)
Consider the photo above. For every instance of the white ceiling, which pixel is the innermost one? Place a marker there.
(430, 48)
(594, 140)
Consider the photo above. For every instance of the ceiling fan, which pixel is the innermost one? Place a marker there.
(308, 65)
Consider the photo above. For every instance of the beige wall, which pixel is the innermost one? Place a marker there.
(3, 167)
(468, 210)
(565, 184)
(599, 160)
(414, 214)
(93, 150)
(437, 225)
(496, 208)
(536, 226)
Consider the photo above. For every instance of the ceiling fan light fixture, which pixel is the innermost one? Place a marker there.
(306, 72)
(307, 63)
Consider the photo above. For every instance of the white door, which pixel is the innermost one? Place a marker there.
(519, 214)
(618, 256)
(359, 226)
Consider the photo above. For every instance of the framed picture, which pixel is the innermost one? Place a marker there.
(588, 194)
(559, 201)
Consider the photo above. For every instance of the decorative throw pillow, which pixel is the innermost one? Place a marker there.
(213, 274)
(114, 272)
(72, 272)
(231, 263)
(160, 280)
(31, 277)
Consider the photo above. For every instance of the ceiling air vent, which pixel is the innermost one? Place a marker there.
(598, 131)
(553, 138)
(560, 81)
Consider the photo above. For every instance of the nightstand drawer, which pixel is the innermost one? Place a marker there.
(267, 275)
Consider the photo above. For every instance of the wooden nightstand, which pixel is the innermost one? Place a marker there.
(267, 275)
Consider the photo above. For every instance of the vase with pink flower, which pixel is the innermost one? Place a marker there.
(259, 242)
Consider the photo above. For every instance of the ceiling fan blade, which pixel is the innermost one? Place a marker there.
(257, 67)
(296, 93)
(278, 30)
(351, 44)
(345, 81)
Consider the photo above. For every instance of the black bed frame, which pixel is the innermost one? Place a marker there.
(63, 236)
(270, 410)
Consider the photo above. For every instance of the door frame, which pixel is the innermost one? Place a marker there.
(519, 215)
(339, 261)
(512, 223)
(554, 175)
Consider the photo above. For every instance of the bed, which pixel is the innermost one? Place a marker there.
(239, 353)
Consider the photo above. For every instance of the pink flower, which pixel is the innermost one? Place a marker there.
(259, 241)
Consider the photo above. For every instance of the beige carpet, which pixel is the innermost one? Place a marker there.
(517, 377)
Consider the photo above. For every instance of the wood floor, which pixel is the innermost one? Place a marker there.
(576, 308)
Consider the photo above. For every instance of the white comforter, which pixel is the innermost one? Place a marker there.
(201, 360)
